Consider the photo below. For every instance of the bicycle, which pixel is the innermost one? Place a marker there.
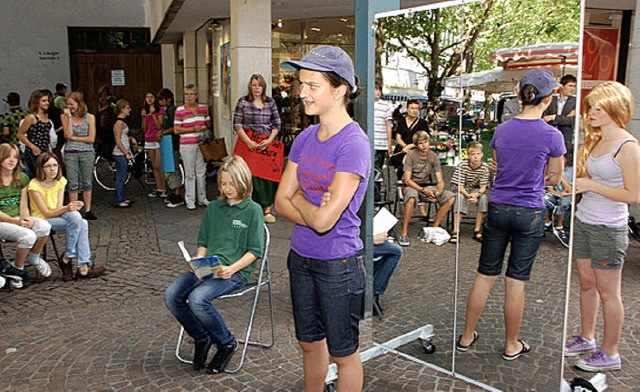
(104, 170)
(634, 228)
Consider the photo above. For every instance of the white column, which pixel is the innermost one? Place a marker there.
(250, 46)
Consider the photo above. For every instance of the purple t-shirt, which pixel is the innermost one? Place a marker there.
(318, 161)
(523, 148)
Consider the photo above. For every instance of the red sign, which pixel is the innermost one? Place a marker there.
(599, 57)
(267, 163)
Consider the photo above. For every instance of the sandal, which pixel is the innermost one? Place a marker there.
(92, 272)
(124, 204)
(454, 238)
(66, 266)
(517, 355)
(477, 235)
(462, 348)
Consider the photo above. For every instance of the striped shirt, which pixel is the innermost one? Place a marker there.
(188, 119)
(470, 178)
(382, 112)
(263, 120)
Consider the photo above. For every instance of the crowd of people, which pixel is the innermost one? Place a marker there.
(321, 191)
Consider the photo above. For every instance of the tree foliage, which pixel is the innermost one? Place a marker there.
(455, 39)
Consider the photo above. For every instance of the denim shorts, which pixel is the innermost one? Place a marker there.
(523, 227)
(605, 246)
(327, 299)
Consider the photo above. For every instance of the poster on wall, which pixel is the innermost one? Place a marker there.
(225, 80)
(600, 50)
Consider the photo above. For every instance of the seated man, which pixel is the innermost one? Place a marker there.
(419, 165)
(472, 176)
(558, 202)
(386, 256)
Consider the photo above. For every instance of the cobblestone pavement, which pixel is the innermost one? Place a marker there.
(114, 333)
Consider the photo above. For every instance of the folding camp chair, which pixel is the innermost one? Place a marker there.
(253, 287)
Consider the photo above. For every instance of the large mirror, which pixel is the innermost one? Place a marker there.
(483, 48)
(419, 301)
(532, 311)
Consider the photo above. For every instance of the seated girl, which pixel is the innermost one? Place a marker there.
(46, 195)
(232, 230)
(16, 224)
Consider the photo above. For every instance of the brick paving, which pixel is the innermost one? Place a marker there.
(114, 333)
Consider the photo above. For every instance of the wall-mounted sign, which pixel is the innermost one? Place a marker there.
(117, 77)
(48, 56)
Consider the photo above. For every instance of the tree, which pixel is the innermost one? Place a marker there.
(455, 39)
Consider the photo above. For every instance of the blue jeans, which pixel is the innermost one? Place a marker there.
(77, 235)
(523, 227)
(386, 257)
(326, 297)
(189, 300)
(121, 176)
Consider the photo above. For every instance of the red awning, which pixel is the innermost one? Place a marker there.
(532, 56)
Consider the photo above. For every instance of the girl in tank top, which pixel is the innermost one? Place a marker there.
(608, 179)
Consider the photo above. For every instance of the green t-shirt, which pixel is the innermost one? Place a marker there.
(231, 231)
(10, 197)
(12, 120)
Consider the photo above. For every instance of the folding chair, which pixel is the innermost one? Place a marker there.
(57, 255)
(263, 280)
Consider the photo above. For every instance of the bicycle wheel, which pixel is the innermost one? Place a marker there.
(175, 179)
(634, 230)
(104, 172)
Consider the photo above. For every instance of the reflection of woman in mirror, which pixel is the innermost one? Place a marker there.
(608, 178)
(326, 261)
(406, 128)
(522, 148)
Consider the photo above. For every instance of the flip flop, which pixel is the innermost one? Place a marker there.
(477, 236)
(524, 350)
(462, 348)
(454, 238)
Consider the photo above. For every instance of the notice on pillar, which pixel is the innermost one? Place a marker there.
(117, 77)
(48, 57)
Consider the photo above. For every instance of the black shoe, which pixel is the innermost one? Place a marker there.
(562, 236)
(200, 355)
(9, 271)
(222, 357)
(90, 216)
(377, 309)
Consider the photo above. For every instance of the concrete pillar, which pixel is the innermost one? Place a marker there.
(250, 46)
(364, 67)
(189, 62)
(168, 66)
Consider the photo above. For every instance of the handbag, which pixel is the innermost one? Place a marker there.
(213, 150)
(396, 158)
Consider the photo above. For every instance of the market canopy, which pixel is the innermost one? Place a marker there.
(541, 55)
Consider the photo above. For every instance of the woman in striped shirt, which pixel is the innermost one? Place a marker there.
(191, 122)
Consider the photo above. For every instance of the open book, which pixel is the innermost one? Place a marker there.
(204, 267)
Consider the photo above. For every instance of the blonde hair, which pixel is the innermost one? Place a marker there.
(240, 176)
(419, 136)
(79, 98)
(616, 100)
(5, 151)
(475, 146)
(121, 104)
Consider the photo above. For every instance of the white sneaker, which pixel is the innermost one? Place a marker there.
(3, 281)
(43, 268)
(203, 203)
(16, 284)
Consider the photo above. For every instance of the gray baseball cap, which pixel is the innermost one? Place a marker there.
(326, 59)
(542, 80)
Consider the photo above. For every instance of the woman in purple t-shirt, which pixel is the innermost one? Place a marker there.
(527, 151)
(326, 263)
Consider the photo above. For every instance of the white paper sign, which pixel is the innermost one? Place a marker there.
(117, 77)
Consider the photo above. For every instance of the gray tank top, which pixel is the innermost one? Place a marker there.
(595, 209)
(79, 130)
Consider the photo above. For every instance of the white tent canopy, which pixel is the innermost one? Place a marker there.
(498, 80)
